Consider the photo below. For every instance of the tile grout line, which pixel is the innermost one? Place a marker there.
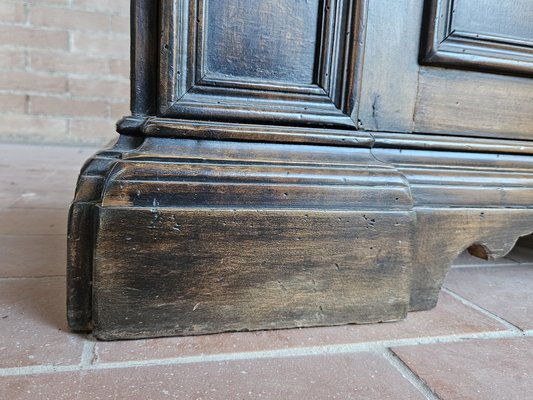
(19, 278)
(18, 236)
(507, 324)
(366, 347)
(88, 354)
(409, 375)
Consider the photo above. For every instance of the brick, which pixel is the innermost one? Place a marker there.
(12, 103)
(474, 370)
(23, 81)
(97, 138)
(65, 62)
(12, 59)
(32, 256)
(33, 327)
(116, 6)
(12, 12)
(33, 222)
(359, 376)
(54, 17)
(38, 128)
(102, 45)
(91, 131)
(120, 24)
(54, 2)
(450, 317)
(36, 59)
(31, 37)
(504, 291)
(119, 110)
(92, 128)
(38, 157)
(120, 67)
(111, 89)
(62, 106)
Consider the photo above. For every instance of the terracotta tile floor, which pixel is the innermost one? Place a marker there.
(476, 344)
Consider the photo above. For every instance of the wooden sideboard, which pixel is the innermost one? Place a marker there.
(303, 162)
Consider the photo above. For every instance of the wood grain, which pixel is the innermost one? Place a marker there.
(487, 35)
(221, 63)
(390, 71)
(81, 230)
(174, 271)
(474, 104)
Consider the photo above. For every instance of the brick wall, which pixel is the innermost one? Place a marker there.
(64, 69)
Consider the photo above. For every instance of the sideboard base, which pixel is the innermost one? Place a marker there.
(185, 237)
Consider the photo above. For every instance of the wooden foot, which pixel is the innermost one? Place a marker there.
(183, 236)
(443, 234)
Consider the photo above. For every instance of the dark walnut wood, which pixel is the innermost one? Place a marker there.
(484, 35)
(290, 164)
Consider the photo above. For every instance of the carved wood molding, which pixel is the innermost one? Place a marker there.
(317, 87)
(445, 44)
(349, 208)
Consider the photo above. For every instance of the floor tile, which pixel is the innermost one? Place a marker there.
(7, 199)
(33, 222)
(450, 317)
(522, 255)
(506, 292)
(21, 181)
(31, 155)
(488, 369)
(32, 256)
(33, 324)
(361, 376)
(44, 199)
(466, 260)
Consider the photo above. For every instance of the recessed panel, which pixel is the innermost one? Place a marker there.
(262, 40)
(285, 62)
(496, 18)
(488, 35)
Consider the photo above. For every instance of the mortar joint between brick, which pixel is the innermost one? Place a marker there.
(27, 14)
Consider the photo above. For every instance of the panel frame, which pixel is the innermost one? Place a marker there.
(186, 91)
(443, 46)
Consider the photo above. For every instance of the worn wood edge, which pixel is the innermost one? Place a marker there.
(220, 131)
(80, 232)
(188, 129)
(131, 125)
(461, 179)
(208, 188)
(118, 334)
(268, 153)
(479, 58)
(159, 127)
(447, 143)
(204, 173)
